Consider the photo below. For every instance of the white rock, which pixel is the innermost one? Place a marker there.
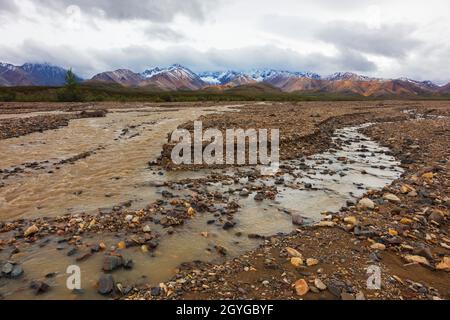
(366, 203)
(391, 197)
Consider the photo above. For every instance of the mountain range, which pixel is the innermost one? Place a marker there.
(32, 74)
(177, 77)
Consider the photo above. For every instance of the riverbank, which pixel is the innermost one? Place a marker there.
(220, 217)
(402, 229)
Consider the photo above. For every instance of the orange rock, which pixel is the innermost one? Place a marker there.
(301, 287)
(121, 245)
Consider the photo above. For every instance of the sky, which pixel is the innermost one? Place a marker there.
(381, 38)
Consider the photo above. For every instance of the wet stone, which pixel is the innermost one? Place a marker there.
(39, 287)
(111, 263)
(105, 284)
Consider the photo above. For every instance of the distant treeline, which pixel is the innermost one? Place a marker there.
(110, 92)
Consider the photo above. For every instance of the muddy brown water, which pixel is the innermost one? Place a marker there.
(118, 172)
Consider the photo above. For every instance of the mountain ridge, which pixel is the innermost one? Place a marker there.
(177, 77)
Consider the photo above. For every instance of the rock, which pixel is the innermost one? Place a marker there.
(416, 259)
(428, 176)
(228, 225)
(297, 220)
(121, 245)
(301, 287)
(128, 264)
(378, 246)
(244, 193)
(335, 287)
(155, 291)
(111, 263)
(405, 221)
(351, 220)
(31, 231)
(105, 284)
(7, 268)
(312, 262)
(437, 216)
(366, 203)
(393, 232)
(147, 229)
(319, 284)
(16, 272)
(84, 256)
(444, 264)
(191, 212)
(39, 287)
(259, 196)
(128, 218)
(406, 189)
(347, 296)
(72, 251)
(144, 248)
(296, 261)
(391, 197)
(221, 250)
(293, 253)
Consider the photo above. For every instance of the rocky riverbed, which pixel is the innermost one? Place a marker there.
(348, 197)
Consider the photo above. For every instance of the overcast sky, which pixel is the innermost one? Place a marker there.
(383, 38)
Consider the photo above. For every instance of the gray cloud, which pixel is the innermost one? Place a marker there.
(394, 41)
(7, 6)
(87, 62)
(162, 32)
(153, 10)
(388, 40)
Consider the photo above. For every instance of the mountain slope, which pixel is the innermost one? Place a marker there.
(11, 75)
(32, 74)
(123, 77)
(176, 77)
(45, 74)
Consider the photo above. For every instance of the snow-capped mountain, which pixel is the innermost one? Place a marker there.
(423, 84)
(262, 75)
(258, 75)
(123, 77)
(32, 74)
(348, 76)
(46, 74)
(175, 77)
(11, 75)
(219, 77)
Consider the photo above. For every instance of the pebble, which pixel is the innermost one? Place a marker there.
(111, 263)
(31, 231)
(392, 198)
(312, 262)
(296, 261)
(378, 246)
(147, 229)
(293, 253)
(351, 220)
(366, 203)
(301, 287)
(319, 284)
(105, 284)
(416, 259)
(39, 287)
